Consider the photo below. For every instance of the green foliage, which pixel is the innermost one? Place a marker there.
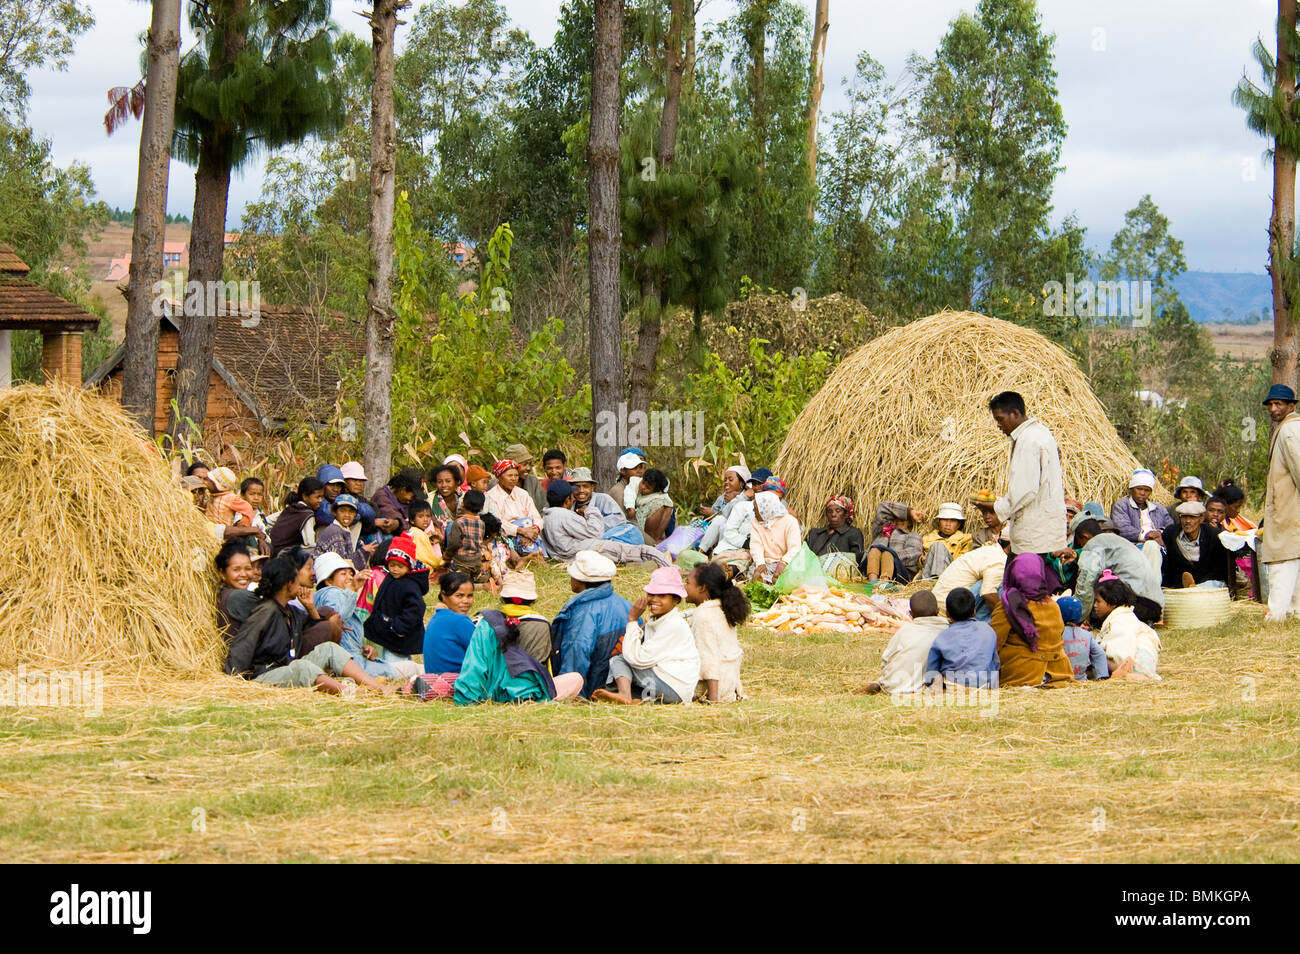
(746, 413)
(1145, 250)
(989, 112)
(467, 370)
(453, 81)
(261, 76)
(761, 596)
(127, 217)
(187, 444)
(296, 256)
(1221, 432)
(834, 324)
(46, 213)
(1268, 111)
(1212, 425)
(752, 76)
(696, 202)
(35, 34)
(1273, 113)
(859, 173)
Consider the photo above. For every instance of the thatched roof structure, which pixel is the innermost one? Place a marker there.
(906, 418)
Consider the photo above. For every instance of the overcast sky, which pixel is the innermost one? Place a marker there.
(1145, 86)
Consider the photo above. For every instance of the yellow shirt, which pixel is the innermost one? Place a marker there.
(958, 544)
(425, 551)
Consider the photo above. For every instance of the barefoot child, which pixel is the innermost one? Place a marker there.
(661, 660)
(262, 648)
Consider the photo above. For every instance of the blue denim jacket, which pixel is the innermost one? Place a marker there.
(586, 629)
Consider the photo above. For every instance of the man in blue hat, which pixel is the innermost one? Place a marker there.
(1280, 533)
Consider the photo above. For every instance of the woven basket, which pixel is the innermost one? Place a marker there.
(1196, 608)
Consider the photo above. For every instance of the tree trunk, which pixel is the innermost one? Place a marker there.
(604, 327)
(140, 366)
(1282, 225)
(207, 258)
(645, 359)
(688, 69)
(816, 85)
(380, 317)
(757, 40)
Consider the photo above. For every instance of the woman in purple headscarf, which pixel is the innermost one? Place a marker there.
(1029, 627)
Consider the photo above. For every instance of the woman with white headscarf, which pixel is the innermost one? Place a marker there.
(1140, 520)
(774, 536)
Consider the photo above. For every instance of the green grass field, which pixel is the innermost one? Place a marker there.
(1204, 766)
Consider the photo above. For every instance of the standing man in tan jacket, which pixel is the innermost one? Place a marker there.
(1281, 529)
(1034, 504)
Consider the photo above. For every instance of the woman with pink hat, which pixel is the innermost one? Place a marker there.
(660, 659)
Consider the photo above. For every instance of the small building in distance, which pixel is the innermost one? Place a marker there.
(276, 364)
(119, 269)
(176, 255)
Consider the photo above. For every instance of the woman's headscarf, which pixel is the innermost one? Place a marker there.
(844, 502)
(501, 466)
(775, 484)
(1025, 582)
(769, 506)
(463, 464)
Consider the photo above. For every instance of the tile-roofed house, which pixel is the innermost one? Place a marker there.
(269, 366)
(176, 255)
(119, 269)
(460, 253)
(25, 305)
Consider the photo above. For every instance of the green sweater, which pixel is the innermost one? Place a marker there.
(484, 676)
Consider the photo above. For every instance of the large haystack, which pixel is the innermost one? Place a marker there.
(106, 563)
(906, 418)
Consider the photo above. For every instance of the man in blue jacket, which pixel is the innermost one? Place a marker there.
(589, 626)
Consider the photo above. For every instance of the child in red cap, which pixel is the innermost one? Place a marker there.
(396, 621)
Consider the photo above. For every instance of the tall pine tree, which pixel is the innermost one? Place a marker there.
(995, 126)
(261, 77)
(1271, 111)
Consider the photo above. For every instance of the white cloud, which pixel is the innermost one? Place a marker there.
(1148, 113)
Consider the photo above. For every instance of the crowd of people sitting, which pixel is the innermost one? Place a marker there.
(331, 588)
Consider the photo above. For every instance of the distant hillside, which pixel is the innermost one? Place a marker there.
(1226, 297)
